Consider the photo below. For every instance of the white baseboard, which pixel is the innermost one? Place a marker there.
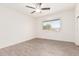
(16, 42)
(30, 38)
(77, 43)
(55, 39)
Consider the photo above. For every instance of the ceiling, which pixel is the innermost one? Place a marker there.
(55, 7)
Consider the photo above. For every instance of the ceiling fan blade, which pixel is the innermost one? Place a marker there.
(33, 12)
(30, 7)
(45, 8)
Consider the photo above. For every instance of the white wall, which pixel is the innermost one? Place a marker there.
(67, 31)
(14, 27)
(77, 24)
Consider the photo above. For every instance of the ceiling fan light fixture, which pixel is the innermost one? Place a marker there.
(38, 10)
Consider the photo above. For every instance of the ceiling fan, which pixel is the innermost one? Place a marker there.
(37, 8)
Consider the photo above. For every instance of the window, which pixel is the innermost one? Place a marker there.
(52, 25)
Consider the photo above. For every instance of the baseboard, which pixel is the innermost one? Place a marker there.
(19, 41)
(27, 39)
(56, 40)
(77, 43)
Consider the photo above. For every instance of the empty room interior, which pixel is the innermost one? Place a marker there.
(39, 29)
